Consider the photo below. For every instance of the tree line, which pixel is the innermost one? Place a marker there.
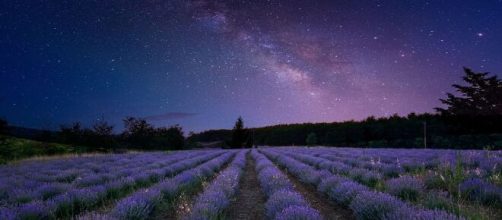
(137, 134)
(471, 118)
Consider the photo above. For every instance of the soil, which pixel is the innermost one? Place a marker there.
(250, 201)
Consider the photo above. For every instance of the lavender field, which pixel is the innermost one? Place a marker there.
(263, 183)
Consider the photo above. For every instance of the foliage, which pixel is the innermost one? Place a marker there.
(138, 134)
(238, 134)
(477, 108)
(311, 139)
(3, 126)
(481, 96)
(394, 131)
(18, 148)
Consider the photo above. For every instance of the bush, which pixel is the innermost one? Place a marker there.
(476, 189)
(406, 187)
(375, 205)
(298, 213)
(281, 200)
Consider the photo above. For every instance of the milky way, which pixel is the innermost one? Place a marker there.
(203, 63)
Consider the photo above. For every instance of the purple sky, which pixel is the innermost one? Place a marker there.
(203, 63)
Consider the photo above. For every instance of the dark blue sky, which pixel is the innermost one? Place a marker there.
(203, 63)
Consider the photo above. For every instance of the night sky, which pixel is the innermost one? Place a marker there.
(202, 63)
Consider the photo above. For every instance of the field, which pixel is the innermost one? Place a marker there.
(264, 183)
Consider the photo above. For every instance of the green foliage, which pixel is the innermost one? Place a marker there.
(18, 148)
(439, 200)
(311, 139)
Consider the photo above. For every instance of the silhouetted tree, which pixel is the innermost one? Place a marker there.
(72, 133)
(478, 108)
(138, 132)
(3, 126)
(3, 129)
(311, 139)
(171, 138)
(103, 135)
(238, 134)
(481, 96)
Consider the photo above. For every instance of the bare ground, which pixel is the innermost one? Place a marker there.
(250, 201)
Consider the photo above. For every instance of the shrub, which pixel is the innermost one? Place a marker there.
(438, 200)
(406, 187)
(478, 190)
(298, 213)
(346, 191)
(374, 205)
(281, 200)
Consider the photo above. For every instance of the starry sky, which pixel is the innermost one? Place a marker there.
(203, 63)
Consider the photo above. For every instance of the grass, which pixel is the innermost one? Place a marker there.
(12, 149)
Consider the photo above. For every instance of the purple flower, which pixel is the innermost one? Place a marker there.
(137, 206)
(51, 189)
(479, 190)
(210, 205)
(281, 200)
(346, 191)
(7, 214)
(298, 213)
(35, 210)
(412, 214)
(374, 205)
(95, 216)
(330, 183)
(405, 187)
(391, 170)
(271, 179)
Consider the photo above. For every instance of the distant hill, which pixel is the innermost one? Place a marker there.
(32, 133)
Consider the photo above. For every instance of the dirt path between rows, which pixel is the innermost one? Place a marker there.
(250, 201)
(328, 209)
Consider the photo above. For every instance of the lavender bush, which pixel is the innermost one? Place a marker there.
(216, 197)
(405, 187)
(375, 205)
(298, 213)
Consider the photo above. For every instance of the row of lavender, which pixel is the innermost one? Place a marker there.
(143, 203)
(283, 201)
(115, 177)
(463, 176)
(365, 202)
(45, 180)
(215, 199)
(483, 163)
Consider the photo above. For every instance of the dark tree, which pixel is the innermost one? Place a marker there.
(3, 126)
(103, 135)
(138, 132)
(482, 96)
(171, 138)
(72, 133)
(478, 108)
(3, 130)
(311, 139)
(238, 134)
